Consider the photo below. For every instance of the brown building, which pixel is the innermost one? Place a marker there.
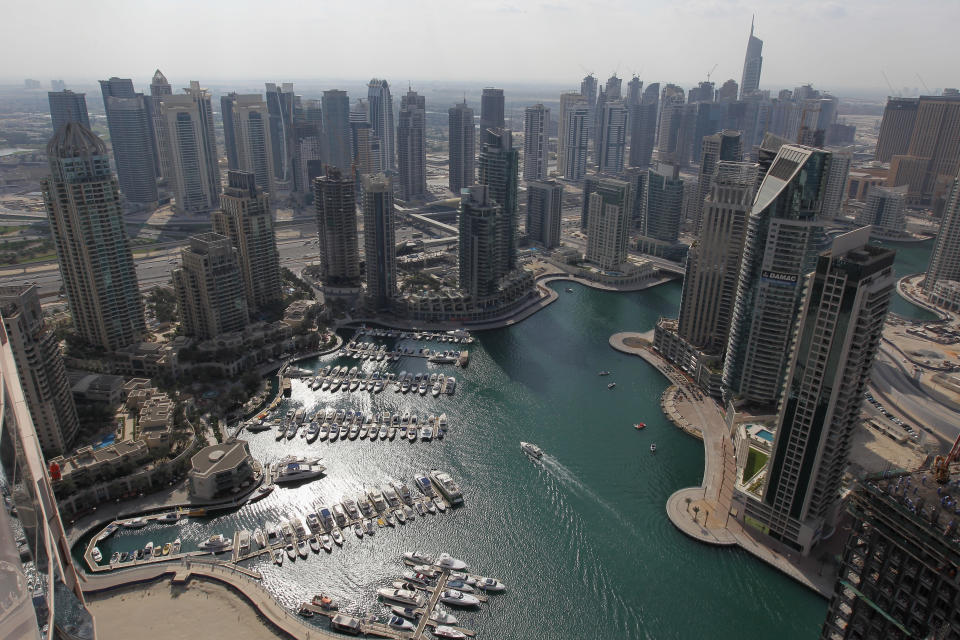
(896, 128)
(934, 149)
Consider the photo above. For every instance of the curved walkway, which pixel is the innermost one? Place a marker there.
(181, 572)
(904, 285)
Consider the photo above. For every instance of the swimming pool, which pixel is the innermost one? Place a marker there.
(766, 435)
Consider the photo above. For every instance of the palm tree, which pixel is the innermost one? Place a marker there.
(696, 512)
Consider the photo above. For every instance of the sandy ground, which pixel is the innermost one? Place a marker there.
(160, 610)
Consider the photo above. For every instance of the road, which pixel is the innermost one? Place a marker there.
(891, 383)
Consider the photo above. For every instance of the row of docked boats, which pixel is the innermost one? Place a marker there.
(147, 552)
(457, 335)
(332, 424)
(422, 383)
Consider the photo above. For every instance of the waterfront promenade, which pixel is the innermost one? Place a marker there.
(704, 512)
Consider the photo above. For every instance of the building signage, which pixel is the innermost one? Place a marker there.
(786, 279)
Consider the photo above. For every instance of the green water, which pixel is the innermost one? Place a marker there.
(580, 539)
(912, 257)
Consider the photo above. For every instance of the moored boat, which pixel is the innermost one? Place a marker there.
(531, 450)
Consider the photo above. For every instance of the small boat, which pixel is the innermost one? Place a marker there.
(532, 450)
(166, 549)
(171, 517)
(148, 549)
(398, 514)
(368, 526)
(443, 631)
(314, 544)
(388, 519)
(569, 290)
(357, 529)
(639, 425)
(337, 536)
(291, 552)
(326, 542)
(490, 584)
(412, 433)
(396, 622)
(216, 543)
(440, 504)
(96, 555)
(277, 557)
(324, 602)
(157, 551)
(460, 585)
(428, 503)
(175, 547)
(653, 447)
(603, 373)
(115, 558)
(458, 598)
(446, 561)
(408, 512)
(136, 523)
(611, 385)
(303, 548)
(305, 611)
(418, 506)
(259, 538)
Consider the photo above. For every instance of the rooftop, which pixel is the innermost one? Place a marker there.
(219, 457)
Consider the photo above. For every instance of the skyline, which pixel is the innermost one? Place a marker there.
(678, 43)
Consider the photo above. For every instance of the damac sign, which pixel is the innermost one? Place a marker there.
(788, 279)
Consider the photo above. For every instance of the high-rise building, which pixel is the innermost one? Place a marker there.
(612, 137)
(588, 89)
(463, 137)
(663, 214)
(643, 127)
(381, 117)
(703, 92)
(67, 106)
(933, 157)
(945, 259)
(244, 217)
(634, 89)
(86, 220)
(159, 89)
(335, 204)
(753, 61)
(568, 102)
(43, 595)
(336, 127)
(43, 377)
(728, 91)
(608, 223)
(713, 261)
(498, 168)
(412, 146)
(481, 258)
(885, 210)
(379, 241)
(725, 146)
(367, 148)
(491, 110)
(836, 337)
(896, 128)
(784, 237)
(58, 85)
(543, 212)
(835, 190)
(247, 137)
(897, 573)
(192, 146)
(575, 136)
(536, 137)
(281, 108)
(131, 140)
(210, 288)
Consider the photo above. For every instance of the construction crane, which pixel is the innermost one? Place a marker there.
(941, 464)
(709, 73)
(923, 83)
(888, 82)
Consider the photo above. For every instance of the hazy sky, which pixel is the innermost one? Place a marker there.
(834, 44)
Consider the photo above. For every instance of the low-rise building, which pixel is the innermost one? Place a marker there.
(155, 417)
(100, 388)
(705, 369)
(300, 311)
(946, 295)
(87, 465)
(220, 470)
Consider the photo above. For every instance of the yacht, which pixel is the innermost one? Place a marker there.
(402, 491)
(423, 388)
(326, 518)
(384, 431)
(428, 503)
(611, 385)
(313, 432)
(303, 550)
(366, 508)
(451, 385)
(400, 595)
(435, 390)
(407, 512)
(324, 431)
(337, 536)
(441, 505)
(339, 514)
(400, 624)
(291, 552)
(423, 483)
(447, 487)
(326, 542)
(459, 585)
(292, 430)
(297, 470)
(444, 631)
(376, 497)
(531, 450)
(411, 433)
(216, 543)
(334, 432)
(281, 432)
(458, 598)
(170, 517)
(350, 505)
(364, 432)
(418, 506)
(136, 523)
(344, 431)
(398, 514)
(490, 584)
(391, 496)
(368, 526)
(388, 519)
(353, 432)
(427, 433)
(243, 542)
(313, 522)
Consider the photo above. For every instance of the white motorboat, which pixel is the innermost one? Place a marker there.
(396, 622)
(419, 508)
(259, 538)
(441, 505)
(407, 511)
(297, 470)
(216, 543)
(175, 547)
(398, 514)
(291, 552)
(337, 536)
(96, 555)
(339, 514)
(446, 561)
(350, 506)
(458, 598)
(447, 487)
(417, 578)
(531, 450)
(400, 595)
(490, 584)
(444, 631)
(368, 526)
(427, 433)
(171, 517)
(426, 487)
(459, 585)
(314, 544)
(402, 491)
(326, 542)
(428, 503)
(136, 523)
(303, 548)
(277, 557)
(653, 447)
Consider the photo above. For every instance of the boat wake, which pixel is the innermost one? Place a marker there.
(569, 479)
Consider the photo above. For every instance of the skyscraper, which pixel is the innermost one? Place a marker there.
(613, 137)
(725, 146)
(945, 259)
(713, 261)
(933, 157)
(412, 146)
(245, 218)
(192, 147)
(86, 220)
(491, 110)
(885, 210)
(784, 237)
(543, 212)
(588, 89)
(131, 140)
(634, 87)
(835, 189)
(210, 288)
(499, 167)
(367, 148)
(575, 135)
(280, 108)
(247, 137)
(536, 122)
(336, 127)
(335, 205)
(728, 91)
(67, 106)
(837, 336)
(896, 128)
(608, 223)
(381, 117)
(379, 241)
(463, 137)
(160, 88)
(643, 127)
(568, 102)
(480, 258)
(753, 61)
(662, 216)
(43, 377)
